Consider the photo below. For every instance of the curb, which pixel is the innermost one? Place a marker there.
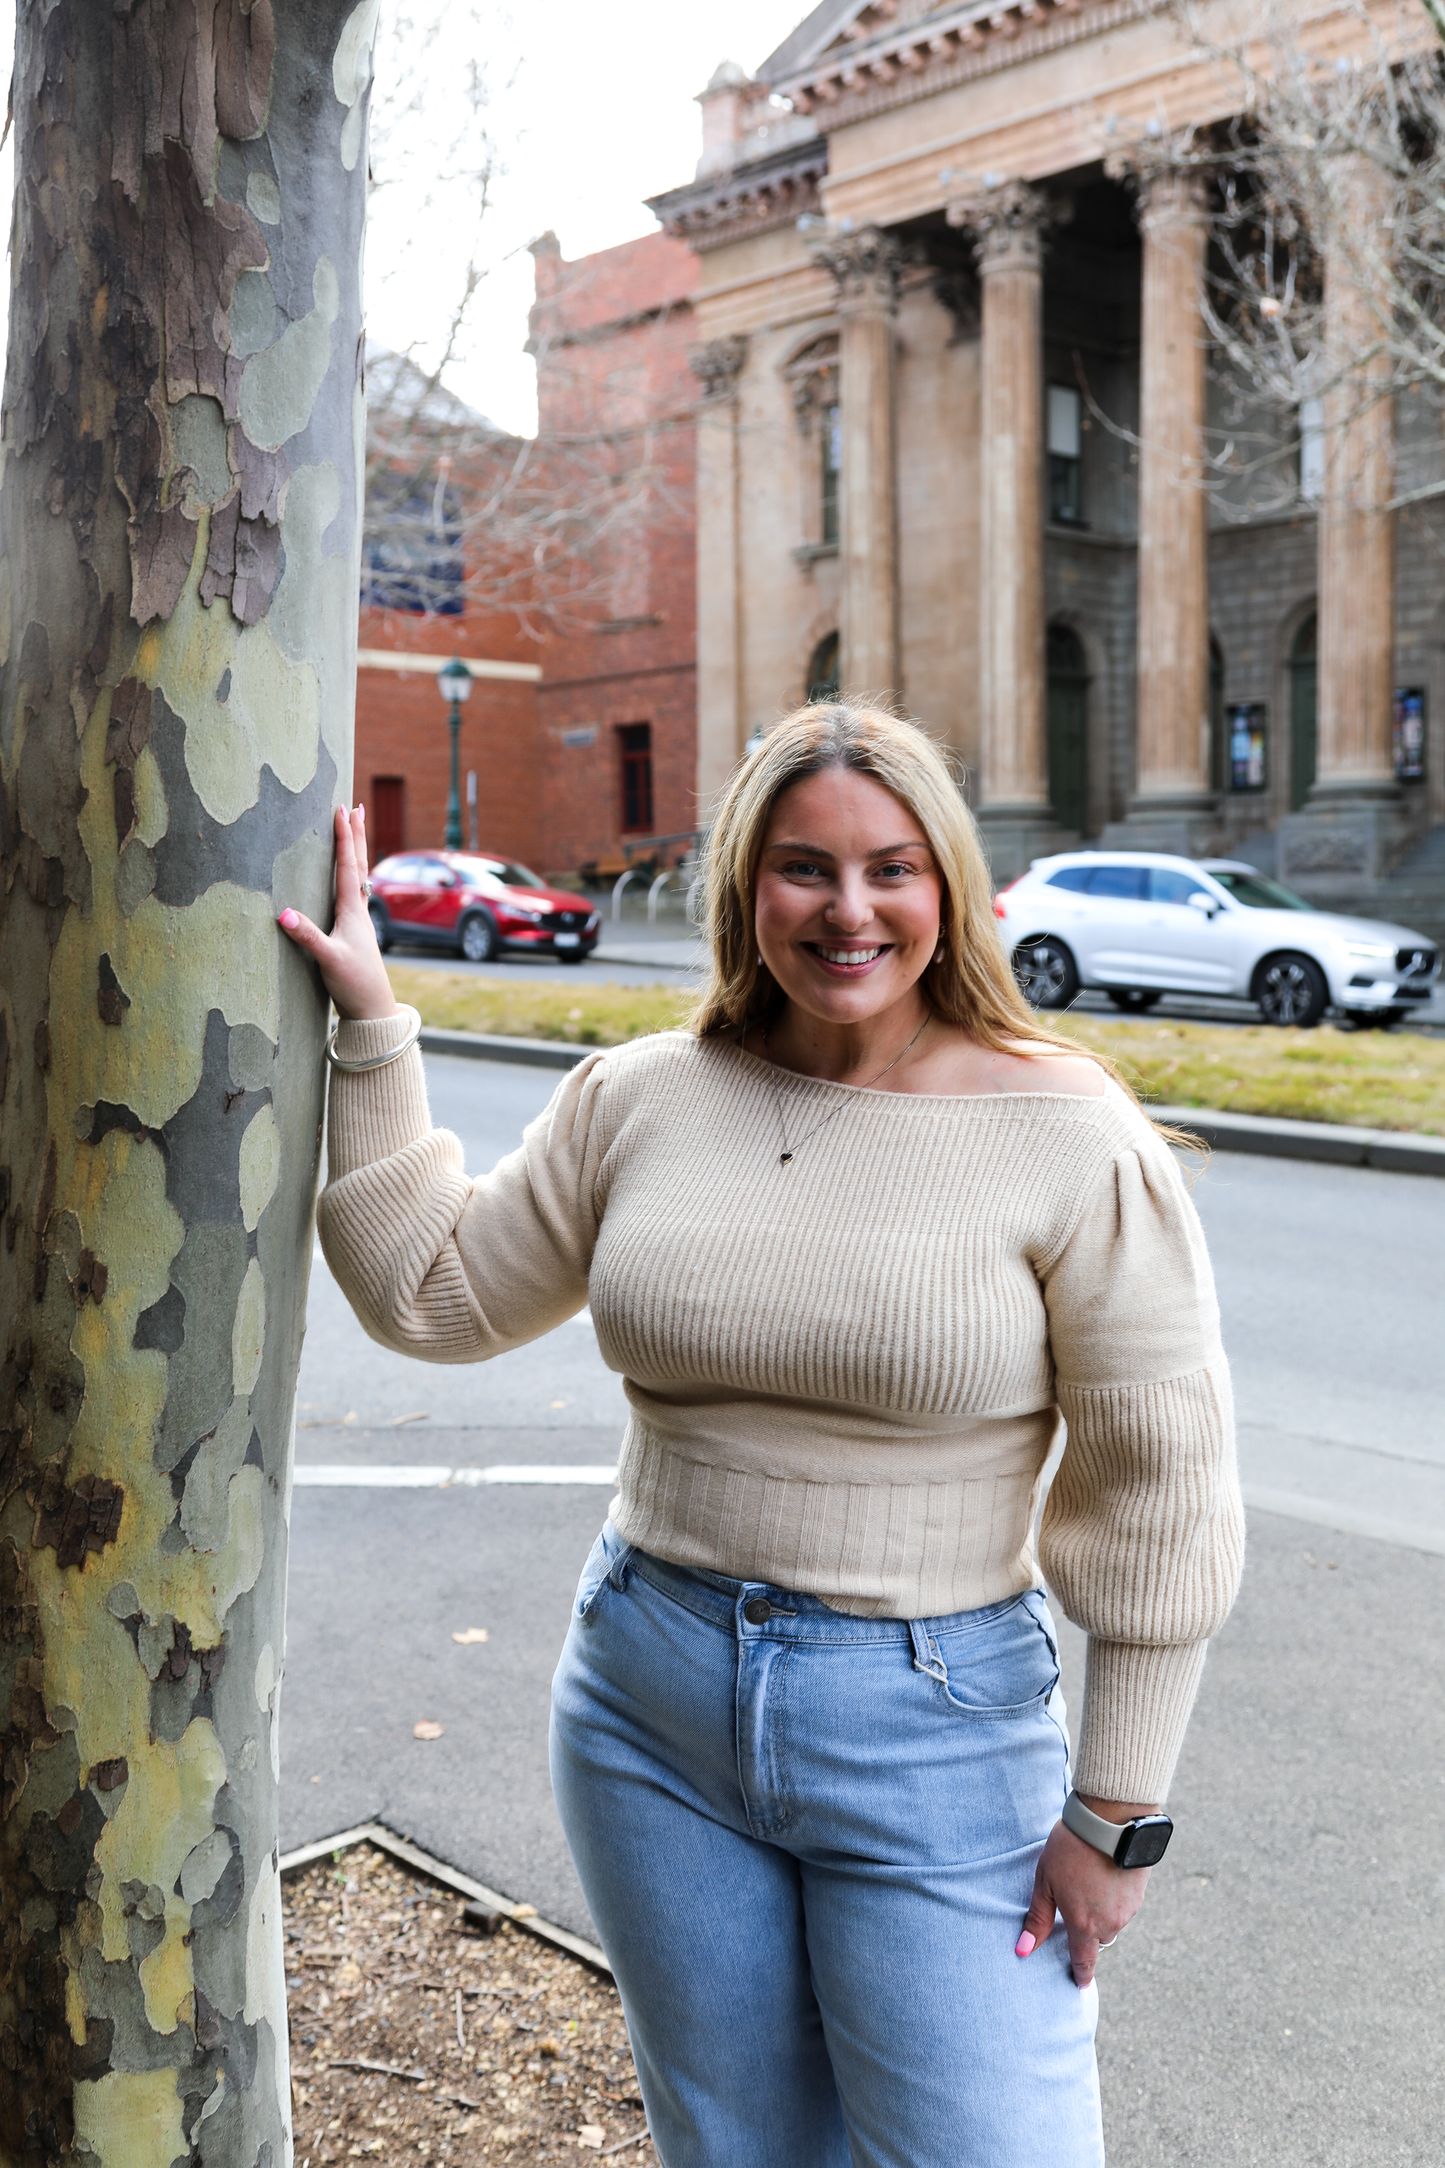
(492, 1046)
(1393, 1151)
(412, 1855)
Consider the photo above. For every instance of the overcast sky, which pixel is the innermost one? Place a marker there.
(591, 109)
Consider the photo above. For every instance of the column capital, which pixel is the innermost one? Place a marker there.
(718, 365)
(865, 266)
(1007, 221)
(1170, 198)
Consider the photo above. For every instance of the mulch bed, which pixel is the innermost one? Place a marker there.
(496, 2048)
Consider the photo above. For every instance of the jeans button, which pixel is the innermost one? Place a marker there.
(757, 1610)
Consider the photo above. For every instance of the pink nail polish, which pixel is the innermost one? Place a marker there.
(289, 919)
(1026, 1945)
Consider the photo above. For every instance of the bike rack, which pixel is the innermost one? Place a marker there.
(654, 894)
(617, 889)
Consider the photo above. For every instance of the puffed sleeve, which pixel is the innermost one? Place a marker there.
(438, 1264)
(1143, 1531)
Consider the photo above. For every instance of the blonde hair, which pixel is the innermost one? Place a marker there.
(972, 984)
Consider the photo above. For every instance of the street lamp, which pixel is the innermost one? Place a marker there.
(455, 684)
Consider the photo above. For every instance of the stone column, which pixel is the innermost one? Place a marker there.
(1014, 811)
(865, 267)
(1354, 818)
(1173, 807)
(721, 726)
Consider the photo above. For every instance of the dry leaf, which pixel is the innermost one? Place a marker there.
(524, 1912)
(428, 1728)
(592, 2135)
(473, 1633)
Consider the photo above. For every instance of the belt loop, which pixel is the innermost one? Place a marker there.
(617, 1571)
(925, 1652)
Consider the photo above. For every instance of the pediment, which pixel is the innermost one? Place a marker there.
(855, 56)
(835, 31)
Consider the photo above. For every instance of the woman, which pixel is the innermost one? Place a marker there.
(856, 1243)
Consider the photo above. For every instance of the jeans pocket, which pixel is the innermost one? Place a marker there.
(1001, 1667)
(606, 1567)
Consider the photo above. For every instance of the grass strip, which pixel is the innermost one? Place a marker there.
(1369, 1079)
(593, 1015)
(1365, 1079)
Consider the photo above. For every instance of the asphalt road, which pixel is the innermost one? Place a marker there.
(1283, 2000)
(669, 954)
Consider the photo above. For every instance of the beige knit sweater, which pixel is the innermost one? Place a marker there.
(846, 1374)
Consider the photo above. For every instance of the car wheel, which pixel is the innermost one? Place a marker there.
(380, 924)
(1132, 998)
(478, 938)
(1291, 989)
(1046, 973)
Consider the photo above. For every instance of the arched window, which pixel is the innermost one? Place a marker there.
(823, 677)
(813, 375)
(1068, 728)
(1303, 721)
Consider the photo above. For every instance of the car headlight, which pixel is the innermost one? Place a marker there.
(1371, 951)
(517, 910)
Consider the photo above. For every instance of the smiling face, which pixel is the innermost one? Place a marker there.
(848, 898)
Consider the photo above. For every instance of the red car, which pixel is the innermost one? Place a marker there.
(450, 899)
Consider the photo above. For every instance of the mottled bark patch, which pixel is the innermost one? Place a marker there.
(78, 1521)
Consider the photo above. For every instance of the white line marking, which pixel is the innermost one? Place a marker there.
(322, 1475)
(1346, 1520)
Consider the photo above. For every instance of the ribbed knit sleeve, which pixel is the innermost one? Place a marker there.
(436, 1264)
(1143, 1531)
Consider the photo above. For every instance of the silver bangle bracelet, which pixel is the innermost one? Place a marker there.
(376, 1061)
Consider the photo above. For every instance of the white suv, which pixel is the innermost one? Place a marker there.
(1138, 925)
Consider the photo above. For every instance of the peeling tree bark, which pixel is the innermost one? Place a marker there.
(179, 538)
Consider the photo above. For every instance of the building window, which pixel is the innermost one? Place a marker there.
(832, 464)
(1311, 450)
(635, 740)
(386, 817)
(823, 669)
(411, 556)
(1066, 456)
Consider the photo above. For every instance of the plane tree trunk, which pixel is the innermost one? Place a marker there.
(179, 536)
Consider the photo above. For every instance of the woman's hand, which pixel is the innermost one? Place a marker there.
(348, 956)
(1096, 1898)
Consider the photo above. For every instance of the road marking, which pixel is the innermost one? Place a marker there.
(1325, 1513)
(321, 1475)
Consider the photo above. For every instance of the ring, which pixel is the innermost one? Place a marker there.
(1109, 1944)
(366, 890)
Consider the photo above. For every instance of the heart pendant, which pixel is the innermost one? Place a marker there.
(783, 1158)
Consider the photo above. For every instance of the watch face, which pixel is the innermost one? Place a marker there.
(1146, 1843)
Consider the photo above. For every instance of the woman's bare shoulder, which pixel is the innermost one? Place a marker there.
(961, 1065)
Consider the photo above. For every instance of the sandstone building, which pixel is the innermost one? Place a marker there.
(956, 402)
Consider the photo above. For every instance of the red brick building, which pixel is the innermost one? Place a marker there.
(618, 699)
(581, 728)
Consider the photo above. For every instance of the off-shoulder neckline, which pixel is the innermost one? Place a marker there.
(1112, 1091)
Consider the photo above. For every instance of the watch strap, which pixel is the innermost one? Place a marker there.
(1105, 1836)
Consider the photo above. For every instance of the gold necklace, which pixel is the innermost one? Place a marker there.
(790, 1150)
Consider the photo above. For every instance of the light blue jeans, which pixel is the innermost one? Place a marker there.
(808, 1842)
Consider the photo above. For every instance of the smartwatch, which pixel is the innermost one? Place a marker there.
(1140, 1843)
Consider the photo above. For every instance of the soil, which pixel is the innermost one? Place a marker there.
(499, 2048)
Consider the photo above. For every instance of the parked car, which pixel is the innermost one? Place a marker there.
(1139, 924)
(456, 900)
